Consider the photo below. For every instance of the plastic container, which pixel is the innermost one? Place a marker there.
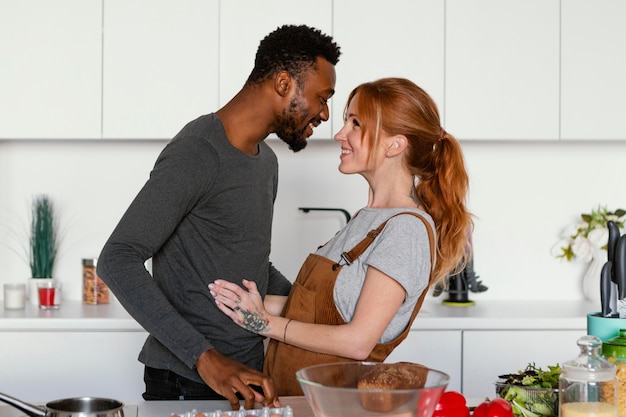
(541, 402)
(95, 291)
(259, 412)
(588, 383)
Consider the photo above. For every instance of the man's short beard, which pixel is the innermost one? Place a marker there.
(296, 143)
(287, 129)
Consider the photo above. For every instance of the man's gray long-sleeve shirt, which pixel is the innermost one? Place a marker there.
(205, 213)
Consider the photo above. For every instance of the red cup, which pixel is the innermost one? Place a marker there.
(48, 297)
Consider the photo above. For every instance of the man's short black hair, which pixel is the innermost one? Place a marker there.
(293, 49)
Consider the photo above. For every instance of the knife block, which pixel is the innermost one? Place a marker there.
(604, 328)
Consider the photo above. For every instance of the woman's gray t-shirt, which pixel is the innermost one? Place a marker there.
(402, 251)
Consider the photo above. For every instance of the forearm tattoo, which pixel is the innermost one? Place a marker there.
(253, 321)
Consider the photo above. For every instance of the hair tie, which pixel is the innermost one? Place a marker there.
(443, 134)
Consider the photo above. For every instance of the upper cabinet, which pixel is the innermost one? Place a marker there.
(244, 23)
(502, 69)
(51, 69)
(160, 66)
(142, 69)
(400, 38)
(593, 78)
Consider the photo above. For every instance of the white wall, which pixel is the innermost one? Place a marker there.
(523, 194)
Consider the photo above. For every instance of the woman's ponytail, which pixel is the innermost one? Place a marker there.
(443, 195)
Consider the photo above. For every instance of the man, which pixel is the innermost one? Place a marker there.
(206, 213)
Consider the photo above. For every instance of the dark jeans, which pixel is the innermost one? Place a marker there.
(162, 384)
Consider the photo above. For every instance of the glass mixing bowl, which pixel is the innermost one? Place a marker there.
(331, 391)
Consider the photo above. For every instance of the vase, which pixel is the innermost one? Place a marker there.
(591, 279)
(32, 293)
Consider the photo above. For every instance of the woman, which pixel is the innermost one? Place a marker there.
(365, 286)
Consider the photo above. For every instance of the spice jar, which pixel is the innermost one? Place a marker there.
(615, 351)
(588, 385)
(95, 291)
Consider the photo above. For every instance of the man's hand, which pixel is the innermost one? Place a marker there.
(228, 377)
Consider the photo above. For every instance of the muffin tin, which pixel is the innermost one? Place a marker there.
(257, 412)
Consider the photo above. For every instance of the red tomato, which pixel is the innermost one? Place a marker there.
(451, 404)
(498, 407)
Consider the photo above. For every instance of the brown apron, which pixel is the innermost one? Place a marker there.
(311, 300)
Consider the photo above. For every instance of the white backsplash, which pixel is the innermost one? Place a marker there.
(522, 193)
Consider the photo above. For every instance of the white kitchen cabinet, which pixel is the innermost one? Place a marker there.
(437, 349)
(160, 66)
(489, 353)
(593, 54)
(134, 69)
(92, 350)
(400, 38)
(243, 23)
(51, 69)
(43, 366)
(502, 69)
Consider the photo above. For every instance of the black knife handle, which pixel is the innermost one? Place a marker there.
(605, 288)
(619, 267)
(613, 238)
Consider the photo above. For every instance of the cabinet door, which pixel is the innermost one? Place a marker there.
(593, 54)
(437, 349)
(400, 38)
(244, 23)
(43, 366)
(502, 69)
(51, 68)
(160, 66)
(489, 353)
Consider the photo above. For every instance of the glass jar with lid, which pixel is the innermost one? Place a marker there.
(95, 291)
(588, 383)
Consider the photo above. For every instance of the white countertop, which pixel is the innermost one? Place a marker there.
(71, 316)
(143, 408)
(299, 405)
(484, 315)
(505, 314)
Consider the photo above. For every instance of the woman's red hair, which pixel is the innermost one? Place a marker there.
(398, 106)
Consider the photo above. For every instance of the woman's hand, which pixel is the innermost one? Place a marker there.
(244, 307)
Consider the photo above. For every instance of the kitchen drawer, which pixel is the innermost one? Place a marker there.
(437, 349)
(43, 366)
(489, 353)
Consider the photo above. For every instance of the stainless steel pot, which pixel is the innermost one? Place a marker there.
(69, 407)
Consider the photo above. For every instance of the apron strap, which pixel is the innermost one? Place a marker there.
(360, 247)
(385, 348)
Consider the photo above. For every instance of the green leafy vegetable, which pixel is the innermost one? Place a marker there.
(531, 392)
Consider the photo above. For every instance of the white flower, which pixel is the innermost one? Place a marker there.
(582, 249)
(582, 240)
(572, 230)
(557, 249)
(598, 237)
